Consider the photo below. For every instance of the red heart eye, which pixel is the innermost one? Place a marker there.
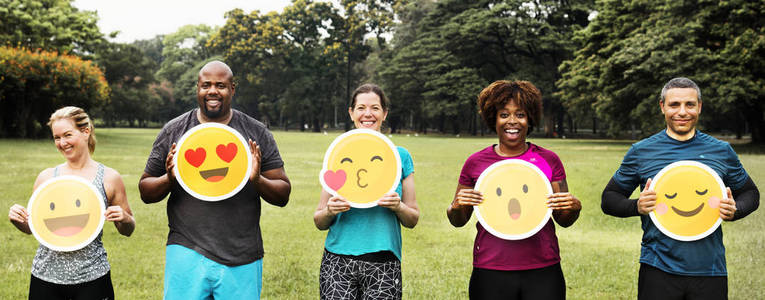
(227, 152)
(195, 157)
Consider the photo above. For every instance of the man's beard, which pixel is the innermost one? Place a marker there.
(212, 114)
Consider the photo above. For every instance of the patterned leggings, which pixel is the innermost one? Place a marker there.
(342, 277)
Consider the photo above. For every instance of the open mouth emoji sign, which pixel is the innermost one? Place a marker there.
(66, 213)
(515, 192)
(213, 162)
(688, 195)
(361, 165)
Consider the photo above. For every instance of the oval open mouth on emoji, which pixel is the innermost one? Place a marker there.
(358, 181)
(689, 213)
(214, 175)
(514, 208)
(67, 226)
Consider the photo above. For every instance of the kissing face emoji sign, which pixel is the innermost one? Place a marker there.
(514, 195)
(213, 162)
(66, 213)
(688, 195)
(361, 165)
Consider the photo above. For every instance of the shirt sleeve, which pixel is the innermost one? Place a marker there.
(271, 159)
(558, 172)
(735, 175)
(465, 178)
(155, 165)
(407, 164)
(627, 176)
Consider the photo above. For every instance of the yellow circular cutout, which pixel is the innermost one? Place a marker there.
(514, 195)
(688, 195)
(213, 162)
(66, 213)
(361, 165)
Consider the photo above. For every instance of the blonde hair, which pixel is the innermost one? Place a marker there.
(80, 119)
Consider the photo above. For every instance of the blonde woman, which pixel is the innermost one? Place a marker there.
(84, 273)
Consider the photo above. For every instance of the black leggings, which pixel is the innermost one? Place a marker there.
(542, 283)
(100, 288)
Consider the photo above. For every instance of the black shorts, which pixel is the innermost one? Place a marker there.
(657, 284)
(100, 288)
(542, 283)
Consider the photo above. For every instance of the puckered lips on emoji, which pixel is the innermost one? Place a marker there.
(361, 165)
(515, 194)
(213, 162)
(66, 213)
(688, 195)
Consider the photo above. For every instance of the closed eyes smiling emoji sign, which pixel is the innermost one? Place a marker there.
(361, 165)
(688, 195)
(514, 195)
(66, 213)
(213, 162)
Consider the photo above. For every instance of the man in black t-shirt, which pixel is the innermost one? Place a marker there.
(214, 249)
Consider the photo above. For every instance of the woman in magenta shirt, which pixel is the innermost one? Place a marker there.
(514, 269)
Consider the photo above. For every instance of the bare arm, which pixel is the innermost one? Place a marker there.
(119, 210)
(154, 189)
(329, 207)
(18, 215)
(566, 207)
(405, 207)
(461, 209)
(272, 185)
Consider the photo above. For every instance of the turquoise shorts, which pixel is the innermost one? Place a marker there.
(190, 275)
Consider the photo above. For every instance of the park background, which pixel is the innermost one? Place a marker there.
(599, 64)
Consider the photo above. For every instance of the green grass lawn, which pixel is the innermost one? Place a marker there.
(600, 253)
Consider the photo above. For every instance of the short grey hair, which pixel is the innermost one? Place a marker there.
(680, 83)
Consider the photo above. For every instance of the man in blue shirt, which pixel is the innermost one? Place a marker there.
(672, 269)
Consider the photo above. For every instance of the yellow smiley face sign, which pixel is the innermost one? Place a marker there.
(514, 195)
(213, 162)
(361, 165)
(66, 213)
(688, 195)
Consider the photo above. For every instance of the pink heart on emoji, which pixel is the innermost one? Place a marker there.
(335, 180)
(195, 158)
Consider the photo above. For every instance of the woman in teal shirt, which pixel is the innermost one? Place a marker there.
(362, 255)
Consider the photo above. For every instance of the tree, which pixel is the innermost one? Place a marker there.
(129, 73)
(52, 25)
(470, 44)
(631, 49)
(33, 84)
(183, 49)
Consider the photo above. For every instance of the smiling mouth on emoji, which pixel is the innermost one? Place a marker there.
(514, 208)
(66, 226)
(689, 213)
(214, 175)
(358, 181)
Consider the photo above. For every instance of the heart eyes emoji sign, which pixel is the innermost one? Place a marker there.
(66, 213)
(213, 162)
(361, 165)
(515, 192)
(688, 195)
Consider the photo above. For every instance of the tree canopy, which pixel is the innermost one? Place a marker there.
(53, 25)
(631, 49)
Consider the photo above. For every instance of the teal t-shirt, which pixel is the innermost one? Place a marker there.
(367, 230)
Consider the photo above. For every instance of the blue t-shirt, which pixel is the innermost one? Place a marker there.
(367, 230)
(704, 257)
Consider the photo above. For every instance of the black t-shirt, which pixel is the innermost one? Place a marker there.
(226, 231)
